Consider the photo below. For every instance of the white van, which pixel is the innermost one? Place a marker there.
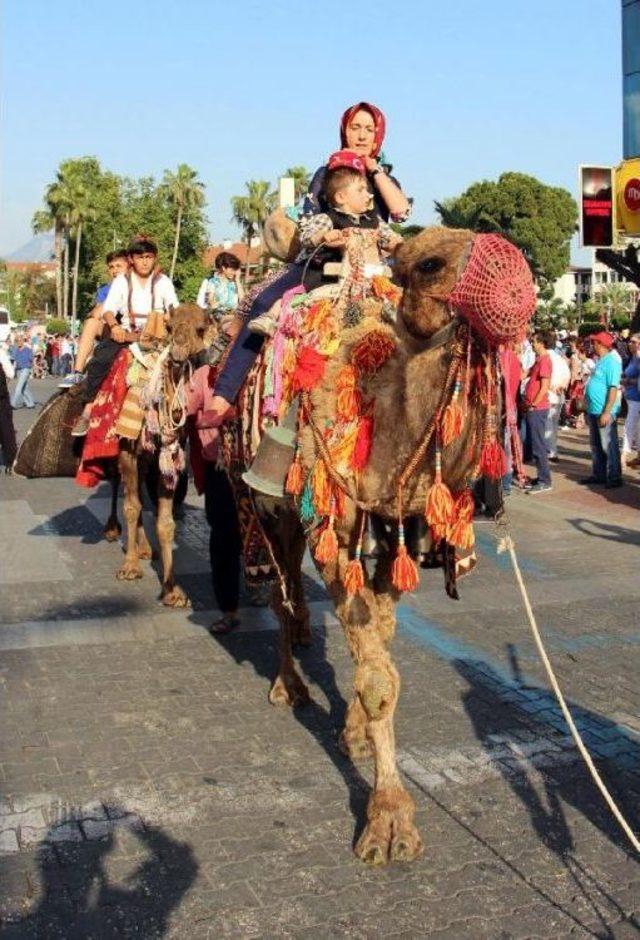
(6, 324)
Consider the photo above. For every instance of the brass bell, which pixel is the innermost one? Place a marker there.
(268, 472)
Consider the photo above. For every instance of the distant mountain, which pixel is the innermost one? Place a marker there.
(39, 249)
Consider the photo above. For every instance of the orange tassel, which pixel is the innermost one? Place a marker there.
(293, 486)
(349, 399)
(327, 547)
(461, 534)
(321, 488)
(493, 460)
(404, 573)
(354, 577)
(439, 511)
(452, 421)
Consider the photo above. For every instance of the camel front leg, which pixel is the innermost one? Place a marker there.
(112, 528)
(128, 467)
(390, 832)
(172, 595)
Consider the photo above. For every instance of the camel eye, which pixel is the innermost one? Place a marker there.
(430, 266)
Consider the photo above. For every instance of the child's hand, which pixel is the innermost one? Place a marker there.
(334, 239)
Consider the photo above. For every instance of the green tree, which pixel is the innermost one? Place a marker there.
(538, 218)
(251, 211)
(301, 178)
(627, 264)
(407, 231)
(184, 192)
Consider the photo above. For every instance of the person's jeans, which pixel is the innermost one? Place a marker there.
(247, 345)
(536, 427)
(631, 438)
(553, 422)
(22, 395)
(605, 450)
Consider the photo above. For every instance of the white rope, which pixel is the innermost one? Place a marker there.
(506, 543)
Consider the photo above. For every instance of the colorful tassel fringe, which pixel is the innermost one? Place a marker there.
(404, 573)
(348, 402)
(453, 418)
(493, 460)
(354, 576)
(327, 547)
(364, 443)
(294, 482)
(439, 510)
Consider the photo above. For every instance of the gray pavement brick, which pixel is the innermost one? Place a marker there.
(137, 747)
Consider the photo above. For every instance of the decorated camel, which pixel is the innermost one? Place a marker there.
(395, 419)
(137, 428)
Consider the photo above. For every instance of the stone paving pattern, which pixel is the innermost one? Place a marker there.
(148, 788)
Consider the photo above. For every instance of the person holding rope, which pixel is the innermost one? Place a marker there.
(362, 131)
(134, 297)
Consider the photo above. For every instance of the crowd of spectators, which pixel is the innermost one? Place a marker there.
(567, 382)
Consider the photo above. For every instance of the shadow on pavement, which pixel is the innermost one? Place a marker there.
(495, 707)
(78, 900)
(603, 530)
(324, 725)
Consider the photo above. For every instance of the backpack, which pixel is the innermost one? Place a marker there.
(560, 372)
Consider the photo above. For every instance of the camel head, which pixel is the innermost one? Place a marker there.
(483, 277)
(186, 328)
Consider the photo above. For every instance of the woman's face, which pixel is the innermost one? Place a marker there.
(361, 133)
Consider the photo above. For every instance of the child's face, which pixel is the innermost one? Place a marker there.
(118, 266)
(143, 264)
(354, 198)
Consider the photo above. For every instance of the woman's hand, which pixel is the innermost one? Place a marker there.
(371, 164)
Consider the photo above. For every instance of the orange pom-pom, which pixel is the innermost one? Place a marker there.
(404, 573)
(440, 506)
(354, 577)
(452, 421)
(465, 505)
(348, 402)
(293, 485)
(371, 352)
(327, 547)
(309, 370)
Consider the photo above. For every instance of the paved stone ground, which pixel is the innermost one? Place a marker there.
(149, 789)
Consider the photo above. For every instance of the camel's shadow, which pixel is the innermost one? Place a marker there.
(324, 725)
(78, 900)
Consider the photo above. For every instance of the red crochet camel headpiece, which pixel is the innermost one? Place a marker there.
(495, 292)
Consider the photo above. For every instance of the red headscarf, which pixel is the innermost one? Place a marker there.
(379, 124)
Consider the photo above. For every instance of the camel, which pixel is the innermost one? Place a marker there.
(408, 393)
(186, 328)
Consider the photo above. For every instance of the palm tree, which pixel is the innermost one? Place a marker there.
(184, 191)
(251, 211)
(81, 210)
(301, 177)
(56, 216)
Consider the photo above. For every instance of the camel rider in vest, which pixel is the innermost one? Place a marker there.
(131, 299)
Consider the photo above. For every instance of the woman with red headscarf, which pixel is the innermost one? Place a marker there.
(362, 131)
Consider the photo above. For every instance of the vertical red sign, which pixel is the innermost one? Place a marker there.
(596, 206)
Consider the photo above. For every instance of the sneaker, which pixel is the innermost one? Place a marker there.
(554, 459)
(264, 325)
(539, 487)
(590, 481)
(74, 378)
(81, 427)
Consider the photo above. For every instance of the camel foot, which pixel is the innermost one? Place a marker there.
(112, 530)
(175, 597)
(145, 552)
(390, 834)
(289, 690)
(356, 747)
(130, 571)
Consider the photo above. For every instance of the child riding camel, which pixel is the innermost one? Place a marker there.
(134, 296)
(323, 236)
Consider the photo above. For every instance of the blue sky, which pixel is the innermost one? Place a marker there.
(242, 91)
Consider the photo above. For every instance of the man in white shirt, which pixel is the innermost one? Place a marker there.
(133, 297)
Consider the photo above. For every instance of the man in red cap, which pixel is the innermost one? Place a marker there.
(603, 403)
